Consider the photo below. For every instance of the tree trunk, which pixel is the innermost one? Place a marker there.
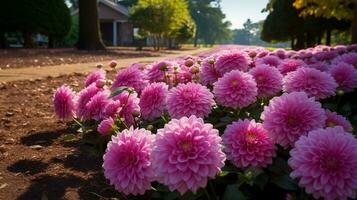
(89, 32)
(28, 40)
(328, 37)
(50, 42)
(3, 42)
(195, 41)
(354, 24)
(319, 38)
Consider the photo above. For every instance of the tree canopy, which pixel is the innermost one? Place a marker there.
(162, 18)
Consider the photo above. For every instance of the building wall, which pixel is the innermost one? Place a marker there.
(106, 13)
(126, 33)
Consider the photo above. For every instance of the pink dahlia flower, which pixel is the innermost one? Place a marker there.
(94, 76)
(235, 89)
(349, 58)
(186, 153)
(315, 83)
(97, 103)
(84, 97)
(126, 161)
(130, 77)
(157, 71)
(153, 100)
(232, 61)
(208, 73)
(345, 76)
(271, 60)
(106, 126)
(325, 162)
(189, 99)
(113, 63)
(269, 80)
(325, 55)
(64, 102)
(281, 53)
(129, 103)
(246, 143)
(333, 119)
(291, 115)
(112, 109)
(289, 65)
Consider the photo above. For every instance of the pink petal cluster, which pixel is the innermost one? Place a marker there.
(269, 80)
(246, 143)
(186, 153)
(84, 97)
(112, 109)
(157, 71)
(129, 106)
(333, 119)
(315, 83)
(349, 58)
(106, 126)
(96, 105)
(232, 61)
(325, 162)
(345, 76)
(127, 162)
(289, 65)
(235, 89)
(153, 100)
(94, 76)
(208, 73)
(130, 77)
(189, 99)
(64, 102)
(292, 115)
(271, 60)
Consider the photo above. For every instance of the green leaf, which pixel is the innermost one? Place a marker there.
(279, 166)
(69, 138)
(117, 91)
(232, 192)
(261, 180)
(285, 182)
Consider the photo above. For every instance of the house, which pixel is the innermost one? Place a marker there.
(115, 28)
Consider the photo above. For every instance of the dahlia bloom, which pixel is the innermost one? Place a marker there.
(289, 65)
(246, 143)
(322, 66)
(232, 61)
(269, 80)
(315, 83)
(64, 102)
(157, 71)
(112, 109)
(126, 161)
(208, 73)
(271, 60)
(113, 63)
(84, 97)
(186, 153)
(281, 53)
(291, 115)
(129, 106)
(325, 55)
(345, 76)
(153, 100)
(235, 89)
(130, 77)
(349, 58)
(106, 126)
(97, 103)
(340, 49)
(94, 76)
(325, 162)
(333, 119)
(189, 99)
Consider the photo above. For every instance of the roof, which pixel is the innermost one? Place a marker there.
(115, 6)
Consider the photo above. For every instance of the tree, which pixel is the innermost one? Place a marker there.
(209, 19)
(89, 32)
(160, 18)
(341, 10)
(49, 17)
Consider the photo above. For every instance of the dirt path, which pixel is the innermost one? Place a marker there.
(28, 73)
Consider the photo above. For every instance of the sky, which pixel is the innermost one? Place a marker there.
(238, 11)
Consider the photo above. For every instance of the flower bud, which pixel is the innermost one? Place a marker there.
(113, 63)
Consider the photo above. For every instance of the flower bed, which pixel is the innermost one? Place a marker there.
(234, 123)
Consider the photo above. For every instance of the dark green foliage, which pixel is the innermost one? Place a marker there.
(285, 23)
(49, 17)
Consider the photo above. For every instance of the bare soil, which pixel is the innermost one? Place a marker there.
(35, 160)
